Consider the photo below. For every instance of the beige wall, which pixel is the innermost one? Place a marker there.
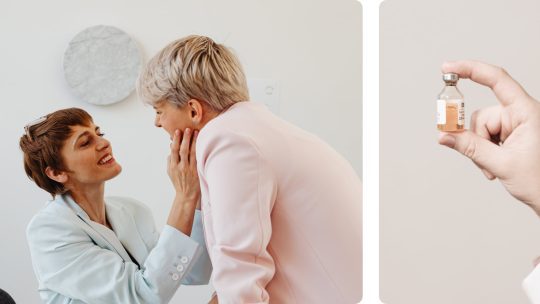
(448, 235)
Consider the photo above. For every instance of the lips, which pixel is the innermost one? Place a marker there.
(106, 159)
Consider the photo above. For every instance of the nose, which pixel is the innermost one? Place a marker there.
(102, 144)
(156, 122)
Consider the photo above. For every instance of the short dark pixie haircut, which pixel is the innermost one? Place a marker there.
(43, 142)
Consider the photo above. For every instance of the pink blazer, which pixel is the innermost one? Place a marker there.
(281, 211)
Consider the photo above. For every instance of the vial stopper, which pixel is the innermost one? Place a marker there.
(450, 77)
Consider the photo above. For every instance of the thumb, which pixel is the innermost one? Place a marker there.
(481, 151)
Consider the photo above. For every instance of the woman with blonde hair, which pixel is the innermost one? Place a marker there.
(282, 209)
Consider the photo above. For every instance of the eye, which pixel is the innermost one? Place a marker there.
(85, 143)
(100, 134)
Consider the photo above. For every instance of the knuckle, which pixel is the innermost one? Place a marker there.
(471, 150)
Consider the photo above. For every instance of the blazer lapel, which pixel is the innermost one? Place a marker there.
(126, 229)
(107, 234)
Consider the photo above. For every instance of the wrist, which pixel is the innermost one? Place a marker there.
(182, 214)
(534, 204)
(186, 200)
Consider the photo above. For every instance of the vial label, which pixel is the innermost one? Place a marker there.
(441, 112)
(461, 113)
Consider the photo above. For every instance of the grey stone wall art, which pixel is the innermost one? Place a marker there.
(101, 65)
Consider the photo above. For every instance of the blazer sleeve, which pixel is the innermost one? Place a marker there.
(68, 262)
(241, 190)
(202, 268)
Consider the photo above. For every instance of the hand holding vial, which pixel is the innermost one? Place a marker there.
(503, 140)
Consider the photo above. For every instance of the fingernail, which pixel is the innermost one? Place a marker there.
(446, 65)
(448, 62)
(177, 132)
(448, 140)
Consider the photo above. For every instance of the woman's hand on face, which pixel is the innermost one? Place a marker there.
(182, 165)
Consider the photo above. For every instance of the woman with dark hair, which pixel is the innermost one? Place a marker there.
(88, 248)
(5, 298)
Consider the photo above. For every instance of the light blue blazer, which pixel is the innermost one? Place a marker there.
(77, 260)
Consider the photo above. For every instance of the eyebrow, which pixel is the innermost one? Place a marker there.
(85, 133)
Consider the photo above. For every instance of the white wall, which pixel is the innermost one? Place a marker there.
(313, 48)
(448, 235)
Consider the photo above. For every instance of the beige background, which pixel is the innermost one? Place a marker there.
(448, 235)
(313, 49)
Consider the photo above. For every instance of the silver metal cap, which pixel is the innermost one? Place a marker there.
(450, 77)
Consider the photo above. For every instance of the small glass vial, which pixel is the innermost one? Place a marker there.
(450, 106)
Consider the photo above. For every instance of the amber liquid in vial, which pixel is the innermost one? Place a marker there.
(453, 113)
(450, 106)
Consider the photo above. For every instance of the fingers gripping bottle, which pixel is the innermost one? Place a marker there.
(450, 106)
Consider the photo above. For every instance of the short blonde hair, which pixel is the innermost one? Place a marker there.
(194, 67)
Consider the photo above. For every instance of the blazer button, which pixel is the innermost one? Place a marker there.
(180, 268)
(175, 277)
(184, 259)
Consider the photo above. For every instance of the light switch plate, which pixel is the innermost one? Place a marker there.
(265, 90)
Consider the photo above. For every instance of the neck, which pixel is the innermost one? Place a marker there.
(207, 118)
(91, 200)
(209, 114)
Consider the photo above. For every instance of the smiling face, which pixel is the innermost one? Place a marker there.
(170, 117)
(88, 157)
